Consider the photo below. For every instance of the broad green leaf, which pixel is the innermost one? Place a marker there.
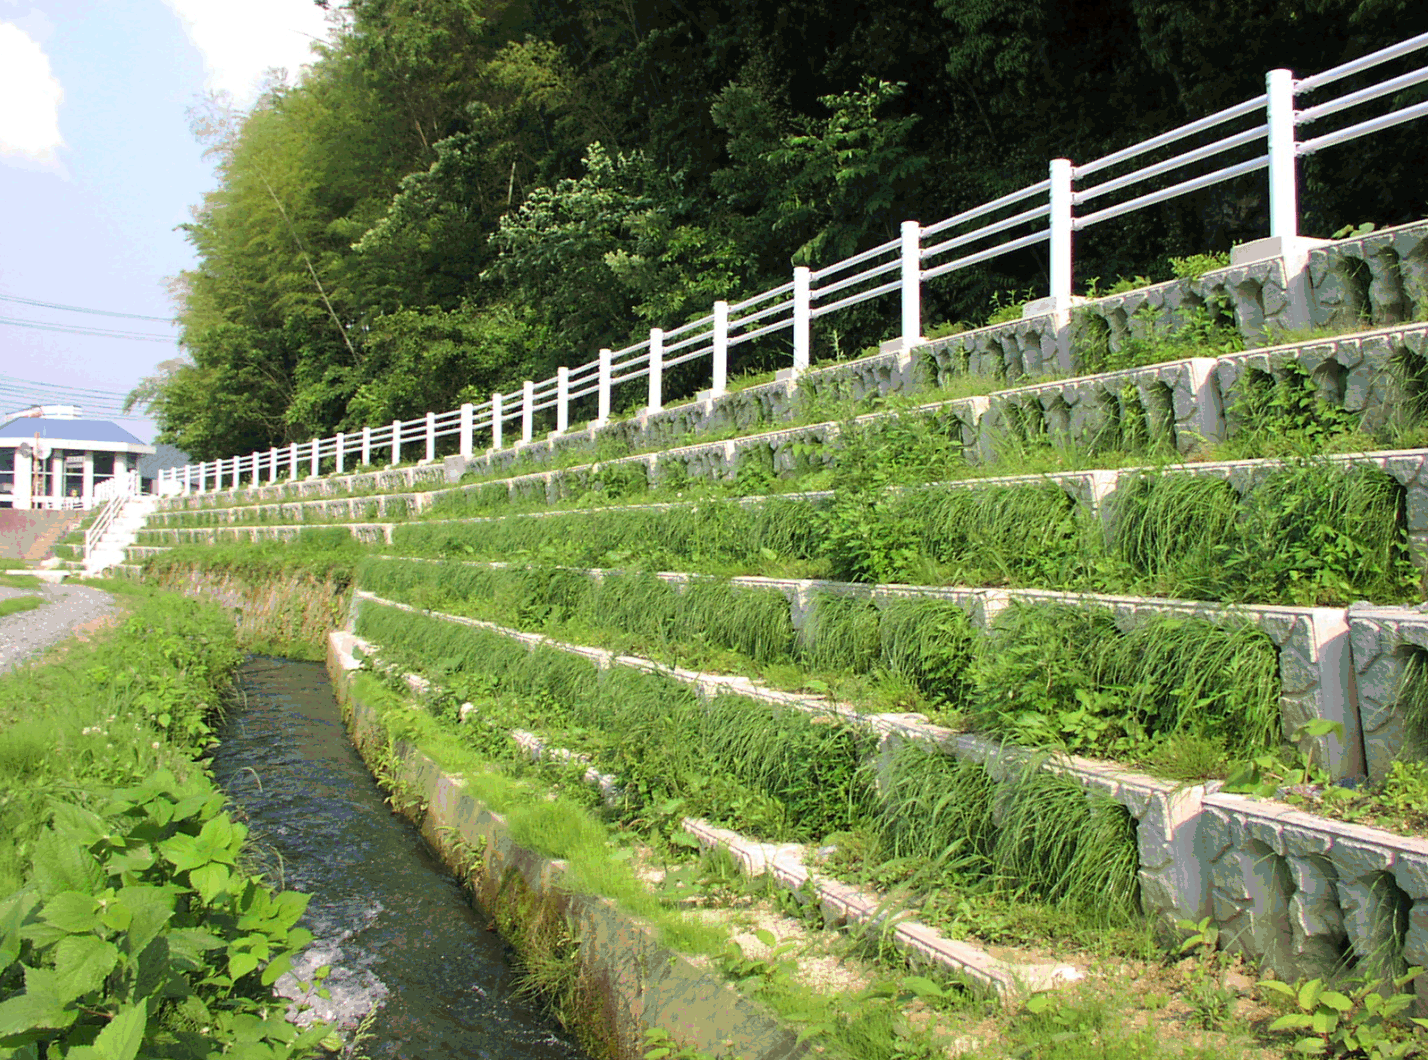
(81, 964)
(765, 936)
(125, 1033)
(278, 966)
(240, 964)
(38, 1006)
(13, 912)
(81, 826)
(1296, 1021)
(73, 912)
(209, 880)
(59, 865)
(922, 986)
(1335, 1001)
(149, 910)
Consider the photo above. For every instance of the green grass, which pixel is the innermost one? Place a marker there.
(783, 774)
(1309, 533)
(16, 604)
(1184, 693)
(1066, 676)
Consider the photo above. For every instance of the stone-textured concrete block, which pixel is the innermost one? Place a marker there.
(1173, 402)
(1383, 640)
(1380, 278)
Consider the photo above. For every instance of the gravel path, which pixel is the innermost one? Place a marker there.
(67, 606)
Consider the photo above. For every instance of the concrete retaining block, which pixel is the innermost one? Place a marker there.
(1253, 296)
(1383, 640)
(1371, 374)
(1175, 403)
(1380, 278)
(1017, 348)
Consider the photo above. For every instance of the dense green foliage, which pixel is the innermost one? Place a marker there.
(1183, 691)
(779, 773)
(459, 195)
(131, 925)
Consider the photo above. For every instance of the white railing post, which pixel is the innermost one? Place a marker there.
(802, 318)
(366, 446)
(316, 463)
(293, 462)
(911, 285)
(603, 412)
(497, 414)
(237, 464)
(527, 411)
(1283, 189)
(188, 478)
(562, 399)
(272, 465)
(257, 469)
(468, 416)
(430, 437)
(340, 445)
(203, 477)
(396, 442)
(720, 381)
(656, 369)
(1060, 224)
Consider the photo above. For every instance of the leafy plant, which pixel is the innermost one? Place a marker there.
(1194, 266)
(1360, 1023)
(137, 928)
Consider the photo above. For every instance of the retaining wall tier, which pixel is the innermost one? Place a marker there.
(1203, 852)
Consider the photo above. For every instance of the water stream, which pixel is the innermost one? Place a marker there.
(396, 929)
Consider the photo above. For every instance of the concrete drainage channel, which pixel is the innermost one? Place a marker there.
(639, 983)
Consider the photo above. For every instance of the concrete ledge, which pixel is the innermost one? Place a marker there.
(844, 904)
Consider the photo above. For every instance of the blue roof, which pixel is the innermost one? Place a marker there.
(69, 430)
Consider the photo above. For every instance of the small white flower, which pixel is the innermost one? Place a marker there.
(155, 745)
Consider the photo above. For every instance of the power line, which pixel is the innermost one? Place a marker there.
(99, 332)
(81, 309)
(11, 380)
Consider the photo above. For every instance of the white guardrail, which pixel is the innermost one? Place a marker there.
(1050, 208)
(114, 493)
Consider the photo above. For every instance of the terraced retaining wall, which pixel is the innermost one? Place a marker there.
(1290, 888)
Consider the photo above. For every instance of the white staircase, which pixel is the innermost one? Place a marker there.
(107, 548)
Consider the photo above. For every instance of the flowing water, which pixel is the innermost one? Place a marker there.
(396, 929)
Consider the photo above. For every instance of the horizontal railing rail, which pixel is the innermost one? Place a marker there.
(1047, 211)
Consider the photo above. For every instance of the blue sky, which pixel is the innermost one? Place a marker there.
(98, 168)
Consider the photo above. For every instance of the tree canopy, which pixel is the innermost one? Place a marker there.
(461, 194)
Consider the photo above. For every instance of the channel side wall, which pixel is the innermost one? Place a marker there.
(638, 982)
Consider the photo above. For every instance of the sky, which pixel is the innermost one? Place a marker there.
(98, 169)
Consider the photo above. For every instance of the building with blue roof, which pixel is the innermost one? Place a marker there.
(51, 458)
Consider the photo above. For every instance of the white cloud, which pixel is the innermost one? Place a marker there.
(241, 41)
(29, 118)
